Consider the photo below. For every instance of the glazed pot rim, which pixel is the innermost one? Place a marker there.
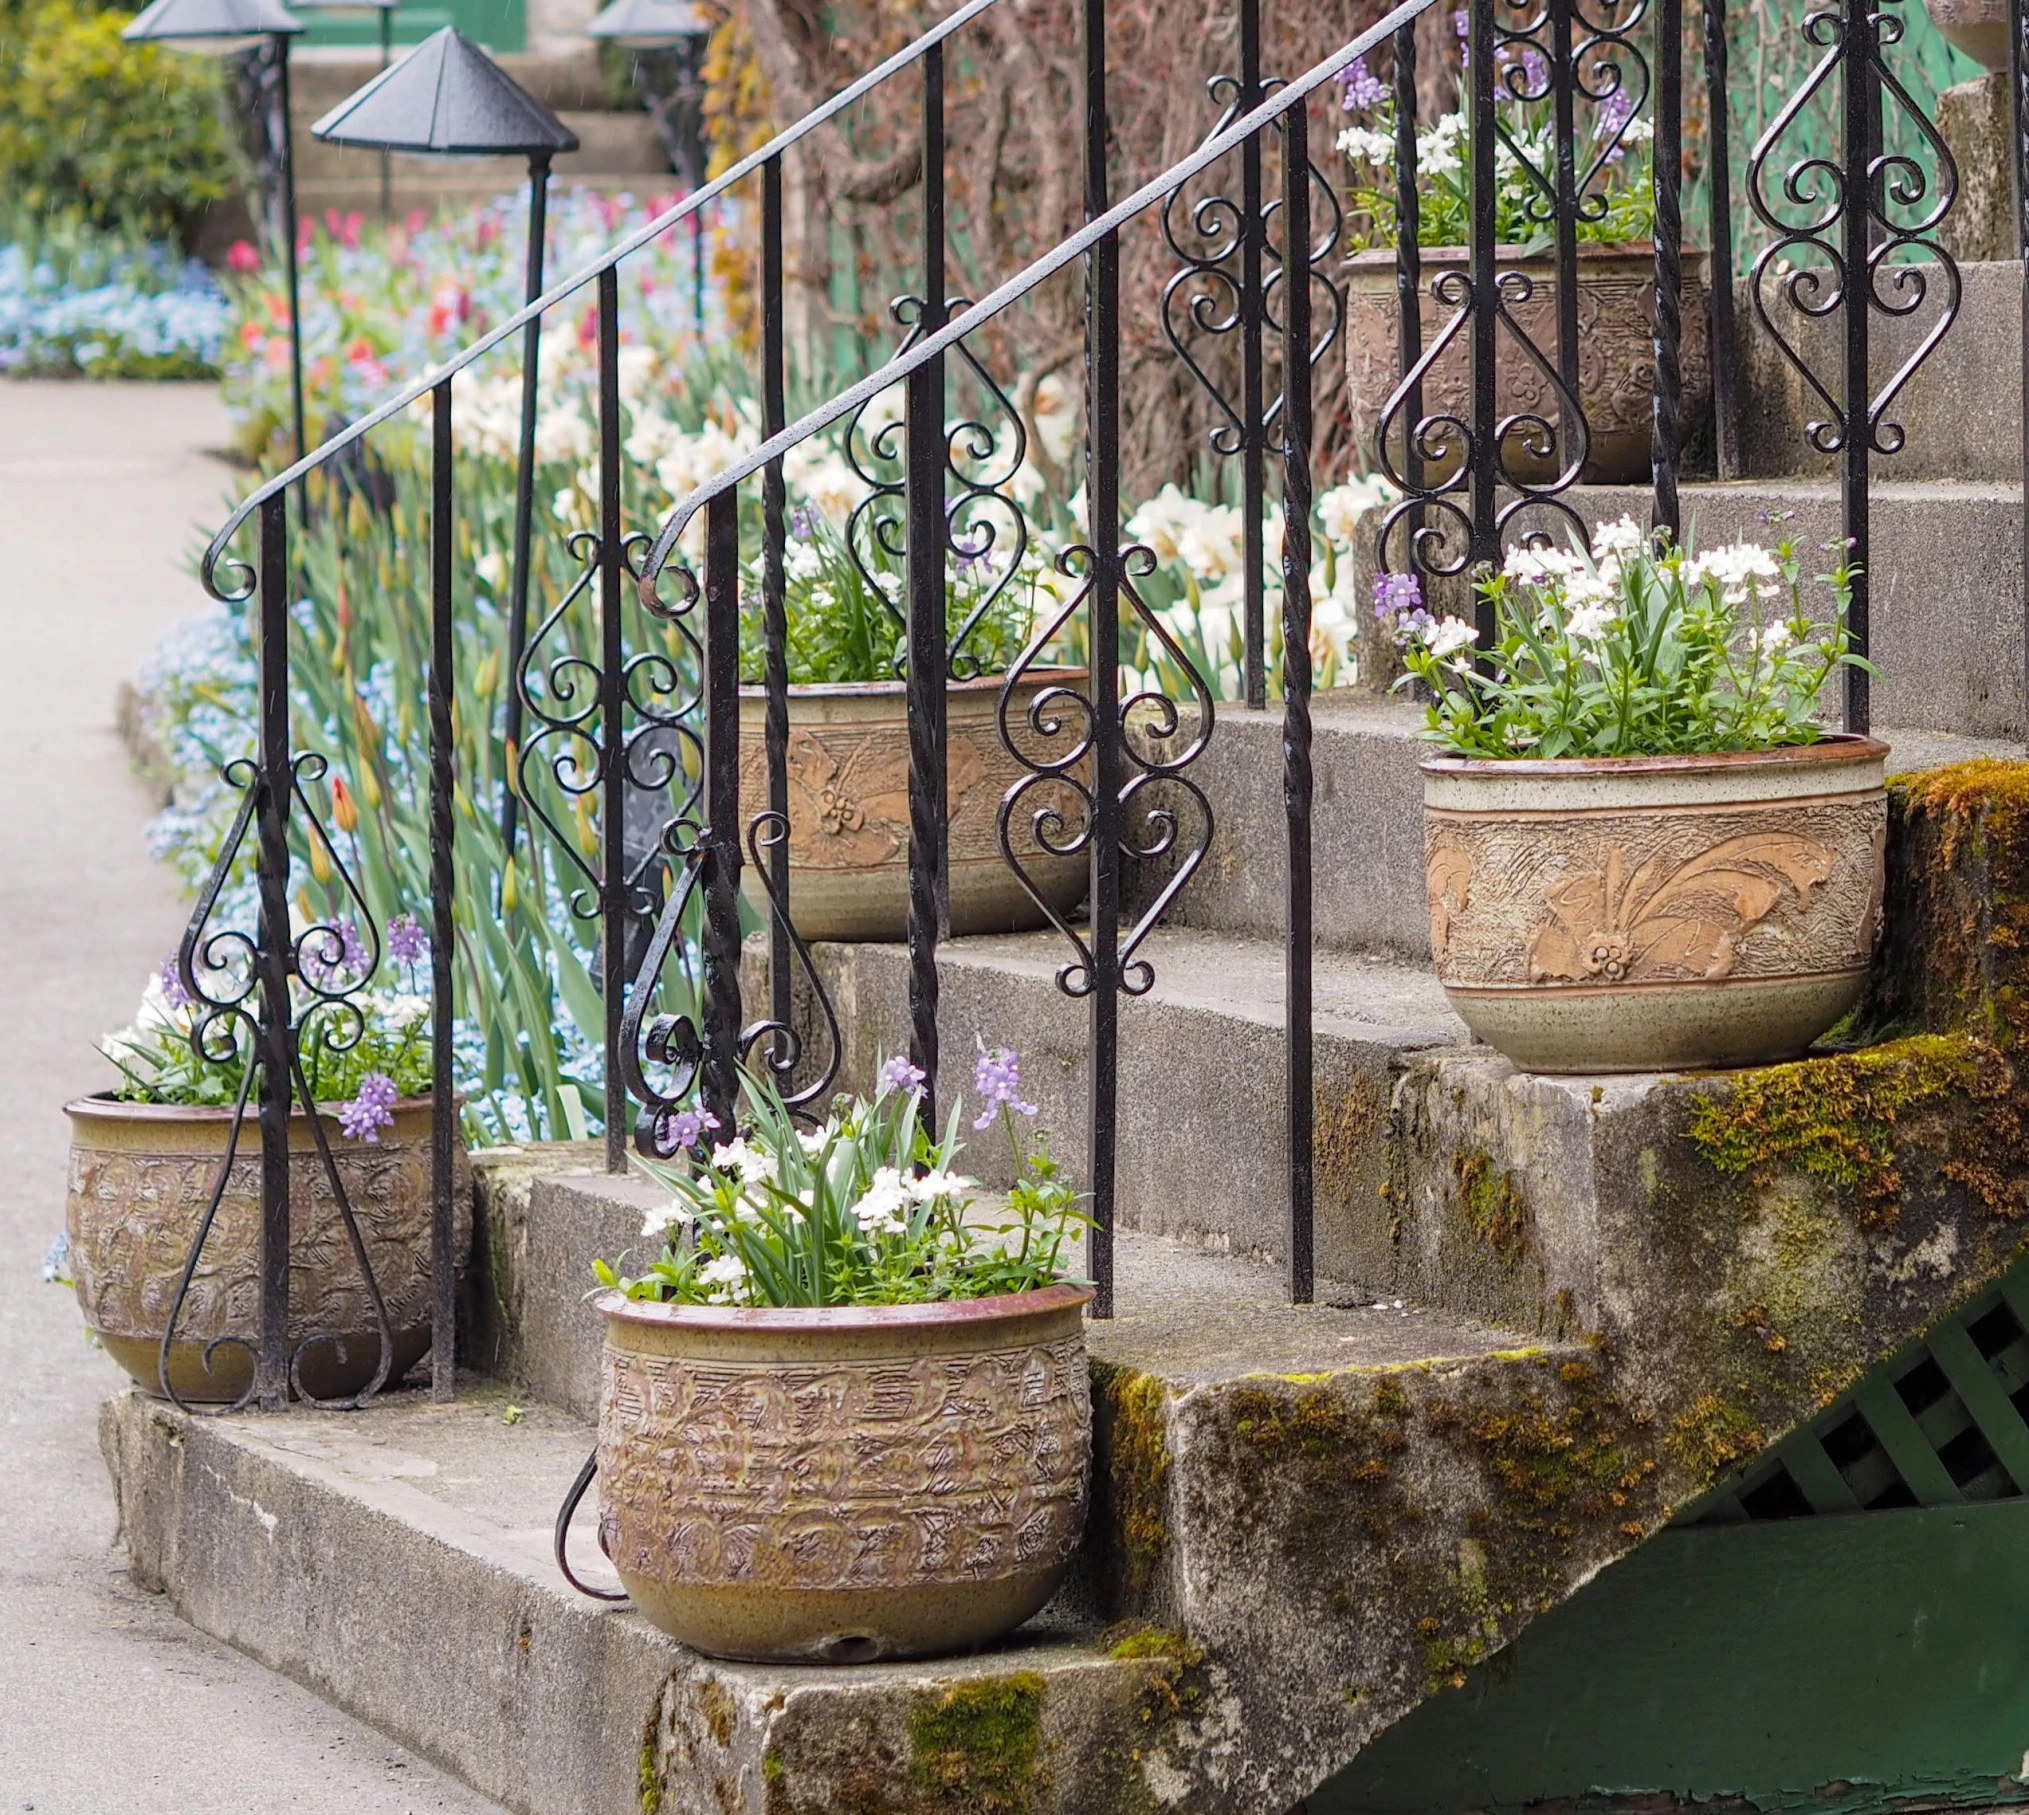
(846, 690)
(102, 1105)
(774, 1319)
(1833, 747)
(1512, 252)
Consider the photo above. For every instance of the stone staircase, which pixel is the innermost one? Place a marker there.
(1554, 1311)
(618, 151)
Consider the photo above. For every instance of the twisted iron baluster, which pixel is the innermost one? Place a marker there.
(443, 875)
(1719, 181)
(775, 596)
(1667, 164)
(1296, 683)
(615, 899)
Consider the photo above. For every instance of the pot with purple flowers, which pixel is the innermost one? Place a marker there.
(145, 1160)
(845, 1413)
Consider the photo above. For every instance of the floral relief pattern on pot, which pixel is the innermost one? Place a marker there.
(849, 796)
(835, 1475)
(1653, 898)
(139, 1182)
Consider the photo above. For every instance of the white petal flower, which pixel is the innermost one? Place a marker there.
(1590, 622)
(934, 1185)
(1448, 636)
(726, 1275)
(664, 1217)
(886, 1203)
(1622, 538)
(753, 1166)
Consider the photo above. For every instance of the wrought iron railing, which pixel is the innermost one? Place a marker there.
(1103, 768)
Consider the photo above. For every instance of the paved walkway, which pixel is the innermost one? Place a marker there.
(109, 1704)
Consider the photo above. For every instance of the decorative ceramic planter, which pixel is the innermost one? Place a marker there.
(140, 1176)
(849, 806)
(1616, 353)
(1656, 913)
(1977, 27)
(843, 1485)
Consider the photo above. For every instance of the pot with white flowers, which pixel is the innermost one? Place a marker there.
(848, 746)
(1615, 277)
(846, 1415)
(1643, 849)
(145, 1157)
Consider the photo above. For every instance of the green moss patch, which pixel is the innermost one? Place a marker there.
(977, 1747)
(1495, 1209)
(1133, 1417)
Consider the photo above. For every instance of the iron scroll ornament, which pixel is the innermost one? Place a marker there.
(1804, 261)
(1054, 740)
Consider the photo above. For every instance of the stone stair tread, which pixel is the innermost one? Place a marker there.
(1200, 1318)
(1370, 996)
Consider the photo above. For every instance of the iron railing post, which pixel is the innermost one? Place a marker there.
(1253, 442)
(1719, 178)
(285, 151)
(443, 1098)
(274, 954)
(775, 592)
(2018, 123)
(1668, 166)
(1102, 466)
(614, 903)
(524, 480)
(1564, 207)
(1856, 430)
(721, 836)
(1408, 267)
(1296, 683)
(929, 902)
(1485, 548)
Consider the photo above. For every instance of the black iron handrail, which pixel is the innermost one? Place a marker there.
(419, 388)
(932, 346)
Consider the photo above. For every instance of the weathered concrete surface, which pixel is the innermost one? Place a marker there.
(1982, 224)
(108, 1702)
(1201, 1134)
(1960, 412)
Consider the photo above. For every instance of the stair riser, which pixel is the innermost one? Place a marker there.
(1961, 410)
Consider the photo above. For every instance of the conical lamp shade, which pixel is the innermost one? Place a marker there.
(449, 97)
(167, 20)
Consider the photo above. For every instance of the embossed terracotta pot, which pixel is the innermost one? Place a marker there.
(140, 1176)
(849, 805)
(1656, 913)
(844, 1485)
(1616, 353)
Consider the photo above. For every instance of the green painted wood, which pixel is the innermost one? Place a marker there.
(500, 25)
(1915, 1461)
(1839, 1666)
(2014, 1289)
(1817, 1475)
(1973, 1380)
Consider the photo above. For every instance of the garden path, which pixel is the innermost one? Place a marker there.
(109, 1704)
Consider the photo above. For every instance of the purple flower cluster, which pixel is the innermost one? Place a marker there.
(173, 992)
(898, 1075)
(335, 955)
(367, 1114)
(407, 943)
(689, 1126)
(1398, 605)
(1363, 89)
(998, 1079)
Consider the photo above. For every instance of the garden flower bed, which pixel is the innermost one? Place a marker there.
(106, 308)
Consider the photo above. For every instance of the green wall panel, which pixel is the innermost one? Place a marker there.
(1846, 1664)
(500, 25)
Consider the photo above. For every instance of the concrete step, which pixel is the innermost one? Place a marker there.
(1300, 1529)
(322, 77)
(1961, 410)
(1367, 820)
(610, 144)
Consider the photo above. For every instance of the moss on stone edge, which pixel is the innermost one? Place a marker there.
(649, 1787)
(1838, 1119)
(977, 1747)
(1135, 1411)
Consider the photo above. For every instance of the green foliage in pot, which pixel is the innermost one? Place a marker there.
(1644, 649)
(865, 1209)
(130, 136)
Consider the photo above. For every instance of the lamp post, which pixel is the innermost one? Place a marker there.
(448, 98)
(221, 26)
(669, 37)
(386, 11)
